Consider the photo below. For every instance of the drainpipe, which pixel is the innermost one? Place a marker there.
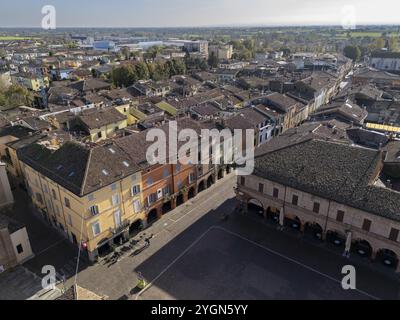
(327, 217)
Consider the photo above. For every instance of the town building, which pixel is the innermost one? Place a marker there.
(15, 247)
(385, 61)
(100, 124)
(32, 82)
(221, 52)
(92, 195)
(329, 190)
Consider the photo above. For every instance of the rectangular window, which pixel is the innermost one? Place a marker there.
(167, 190)
(340, 216)
(69, 220)
(67, 203)
(151, 198)
(137, 206)
(115, 199)
(367, 225)
(295, 200)
(20, 249)
(191, 178)
(260, 187)
(39, 198)
(117, 218)
(54, 194)
(46, 190)
(159, 193)
(114, 187)
(276, 193)
(394, 234)
(242, 181)
(94, 210)
(96, 228)
(316, 207)
(135, 190)
(91, 197)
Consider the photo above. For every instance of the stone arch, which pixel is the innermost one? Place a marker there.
(210, 181)
(201, 186)
(180, 199)
(388, 258)
(166, 207)
(191, 193)
(313, 229)
(220, 173)
(293, 222)
(363, 248)
(336, 238)
(273, 214)
(136, 227)
(152, 216)
(255, 206)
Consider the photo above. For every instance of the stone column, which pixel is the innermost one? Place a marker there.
(126, 234)
(347, 245)
(92, 255)
(282, 218)
(159, 212)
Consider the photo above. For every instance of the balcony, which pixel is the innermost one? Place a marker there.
(124, 225)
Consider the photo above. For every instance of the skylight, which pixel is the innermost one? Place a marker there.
(111, 150)
(105, 172)
(126, 164)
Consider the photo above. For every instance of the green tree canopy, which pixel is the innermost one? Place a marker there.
(352, 52)
(15, 96)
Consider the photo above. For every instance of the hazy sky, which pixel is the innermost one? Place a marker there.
(170, 13)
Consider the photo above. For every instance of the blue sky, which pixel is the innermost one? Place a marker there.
(170, 13)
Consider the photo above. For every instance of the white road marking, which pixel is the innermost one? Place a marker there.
(49, 247)
(292, 260)
(252, 242)
(172, 263)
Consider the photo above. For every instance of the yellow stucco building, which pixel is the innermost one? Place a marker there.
(100, 124)
(92, 194)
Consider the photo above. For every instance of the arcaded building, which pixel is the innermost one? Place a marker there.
(337, 192)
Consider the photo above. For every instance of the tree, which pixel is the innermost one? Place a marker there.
(237, 45)
(124, 76)
(378, 44)
(213, 60)
(142, 71)
(393, 44)
(153, 52)
(179, 65)
(245, 54)
(125, 53)
(16, 96)
(352, 52)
